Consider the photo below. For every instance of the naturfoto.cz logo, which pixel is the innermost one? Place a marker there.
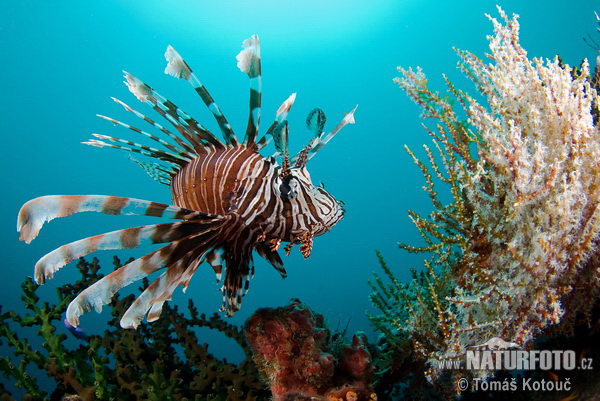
(521, 360)
(497, 354)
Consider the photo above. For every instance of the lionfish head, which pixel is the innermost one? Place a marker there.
(297, 187)
(294, 182)
(332, 210)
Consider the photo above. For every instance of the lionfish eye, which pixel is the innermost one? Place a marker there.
(286, 190)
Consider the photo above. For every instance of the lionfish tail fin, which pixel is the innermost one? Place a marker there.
(179, 68)
(38, 211)
(249, 63)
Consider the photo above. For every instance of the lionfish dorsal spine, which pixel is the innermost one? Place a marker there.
(178, 68)
(130, 146)
(250, 63)
(196, 135)
(185, 148)
(173, 148)
(322, 139)
(281, 137)
(280, 116)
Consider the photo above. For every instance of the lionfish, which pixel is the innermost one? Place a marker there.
(228, 199)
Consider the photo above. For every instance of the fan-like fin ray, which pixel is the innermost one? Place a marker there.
(249, 62)
(265, 251)
(128, 238)
(237, 261)
(100, 293)
(160, 173)
(190, 129)
(315, 121)
(151, 301)
(38, 211)
(184, 145)
(280, 116)
(318, 142)
(215, 259)
(178, 68)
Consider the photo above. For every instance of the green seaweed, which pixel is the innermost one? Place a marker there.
(141, 364)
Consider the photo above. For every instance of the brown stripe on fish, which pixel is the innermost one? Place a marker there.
(156, 209)
(113, 205)
(69, 204)
(130, 238)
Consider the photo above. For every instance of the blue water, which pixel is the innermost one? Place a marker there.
(61, 63)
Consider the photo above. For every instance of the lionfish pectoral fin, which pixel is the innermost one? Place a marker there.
(158, 172)
(128, 238)
(239, 269)
(38, 211)
(151, 301)
(215, 259)
(177, 257)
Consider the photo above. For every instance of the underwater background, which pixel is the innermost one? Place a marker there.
(62, 61)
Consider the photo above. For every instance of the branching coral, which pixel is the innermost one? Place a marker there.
(524, 174)
(125, 364)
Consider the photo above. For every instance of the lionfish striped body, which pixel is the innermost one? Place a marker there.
(230, 201)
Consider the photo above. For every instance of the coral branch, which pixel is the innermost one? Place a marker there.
(125, 364)
(509, 251)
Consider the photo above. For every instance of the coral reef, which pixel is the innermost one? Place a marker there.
(511, 250)
(159, 361)
(295, 352)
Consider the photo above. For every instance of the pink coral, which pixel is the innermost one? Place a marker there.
(356, 359)
(291, 349)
